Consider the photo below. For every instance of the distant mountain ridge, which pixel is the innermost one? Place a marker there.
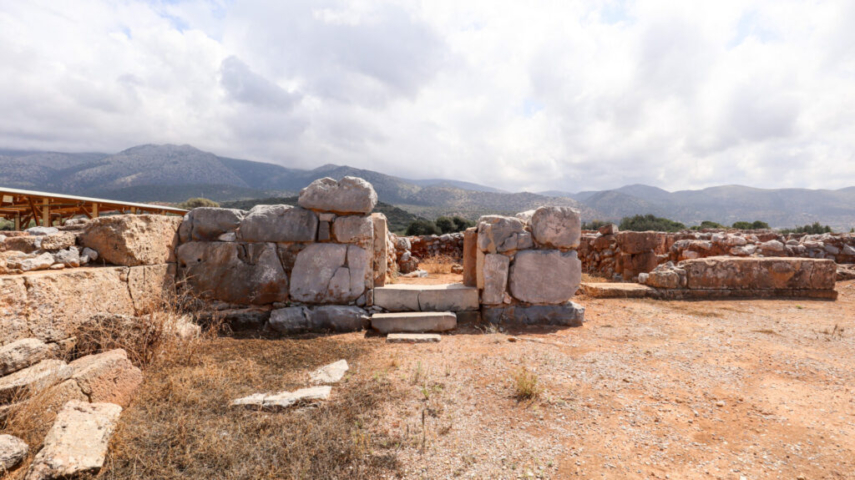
(174, 173)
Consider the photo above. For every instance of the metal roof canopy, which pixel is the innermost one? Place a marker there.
(23, 206)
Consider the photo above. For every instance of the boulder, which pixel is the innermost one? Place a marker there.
(332, 373)
(567, 314)
(234, 272)
(77, 442)
(282, 400)
(557, 227)
(132, 240)
(497, 234)
(13, 450)
(58, 241)
(208, 224)
(545, 276)
(31, 262)
(69, 258)
(22, 353)
(349, 195)
(36, 377)
(496, 269)
(331, 273)
(107, 377)
(278, 223)
(355, 229)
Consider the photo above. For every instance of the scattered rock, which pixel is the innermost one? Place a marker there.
(283, 400)
(24, 353)
(350, 195)
(68, 258)
(12, 452)
(30, 263)
(331, 373)
(77, 442)
(92, 255)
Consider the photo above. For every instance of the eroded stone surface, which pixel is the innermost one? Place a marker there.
(545, 276)
(282, 400)
(413, 338)
(38, 376)
(496, 268)
(414, 322)
(77, 441)
(12, 452)
(23, 353)
(278, 223)
(567, 314)
(331, 273)
(207, 224)
(350, 195)
(13, 309)
(132, 240)
(355, 229)
(426, 298)
(332, 373)
(759, 273)
(497, 234)
(557, 227)
(107, 377)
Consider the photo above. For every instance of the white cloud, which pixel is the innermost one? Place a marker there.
(571, 95)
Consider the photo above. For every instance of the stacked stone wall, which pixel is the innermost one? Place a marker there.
(526, 267)
(410, 250)
(616, 255)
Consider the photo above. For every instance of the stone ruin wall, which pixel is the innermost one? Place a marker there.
(410, 250)
(526, 267)
(623, 256)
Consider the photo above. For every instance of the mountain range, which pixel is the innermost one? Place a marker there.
(174, 173)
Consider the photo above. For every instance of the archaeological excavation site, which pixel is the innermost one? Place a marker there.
(310, 342)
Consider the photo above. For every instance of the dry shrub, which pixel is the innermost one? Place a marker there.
(181, 425)
(588, 278)
(438, 264)
(526, 386)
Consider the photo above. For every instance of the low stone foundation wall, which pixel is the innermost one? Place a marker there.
(409, 251)
(616, 255)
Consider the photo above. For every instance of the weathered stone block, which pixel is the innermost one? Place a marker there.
(567, 314)
(381, 252)
(58, 241)
(331, 273)
(290, 320)
(132, 240)
(557, 227)
(77, 442)
(107, 377)
(207, 224)
(13, 450)
(759, 273)
(497, 234)
(23, 353)
(13, 309)
(282, 400)
(640, 242)
(414, 322)
(151, 286)
(278, 223)
(470, 248)
(354, 229)
(426, 298)
(36, 377)
(496, 269)
(234, 272)
(338, 318)
(413, 338)
(350, 195)
(545, 276)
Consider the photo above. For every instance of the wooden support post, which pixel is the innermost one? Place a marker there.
(94, 210)
(18, 222)
(46, 221)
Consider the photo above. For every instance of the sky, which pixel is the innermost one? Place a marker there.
(537, 95)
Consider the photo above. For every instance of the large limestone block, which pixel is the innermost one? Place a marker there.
(207, 224)
(23, 244)
(31, 262)
(290, 320)
(107, 377)
(331, 273)
(356, 229)
(414, 322)
(381, 252)
(631, 265)
(77, 442)
(132, 240)
(667, 276)
(12, 452)
(350, 195)
(36, 377)
(568, 314)
(470, 248)
(723, 273)
(13, 309)
(640, 242)
(338, 318)
(246, 274)
(22, 353)
(557, 227)
(151, 286)
(278, 223)
(58, 241)
(69, 257)
(496, 269)
(426, 298)
(497, 234)
(58, 302)
(545, 276)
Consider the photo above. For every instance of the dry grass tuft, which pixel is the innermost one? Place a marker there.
(588, 278)
(526, 386)
(438, 264)
(181, 424)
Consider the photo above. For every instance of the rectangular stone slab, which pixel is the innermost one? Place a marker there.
(427, 298)
(413, 322)
(618, 290)
(413, 338)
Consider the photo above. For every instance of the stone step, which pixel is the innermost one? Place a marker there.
(414, 322)
(427, 298)
(413, 338)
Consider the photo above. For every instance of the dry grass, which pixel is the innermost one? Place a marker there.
(438, 264)
(526, 386)
(181, 424)
(587, 278)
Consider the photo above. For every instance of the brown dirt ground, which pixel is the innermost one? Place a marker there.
(646, 389)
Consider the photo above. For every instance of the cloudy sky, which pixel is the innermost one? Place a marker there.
(568, 95)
